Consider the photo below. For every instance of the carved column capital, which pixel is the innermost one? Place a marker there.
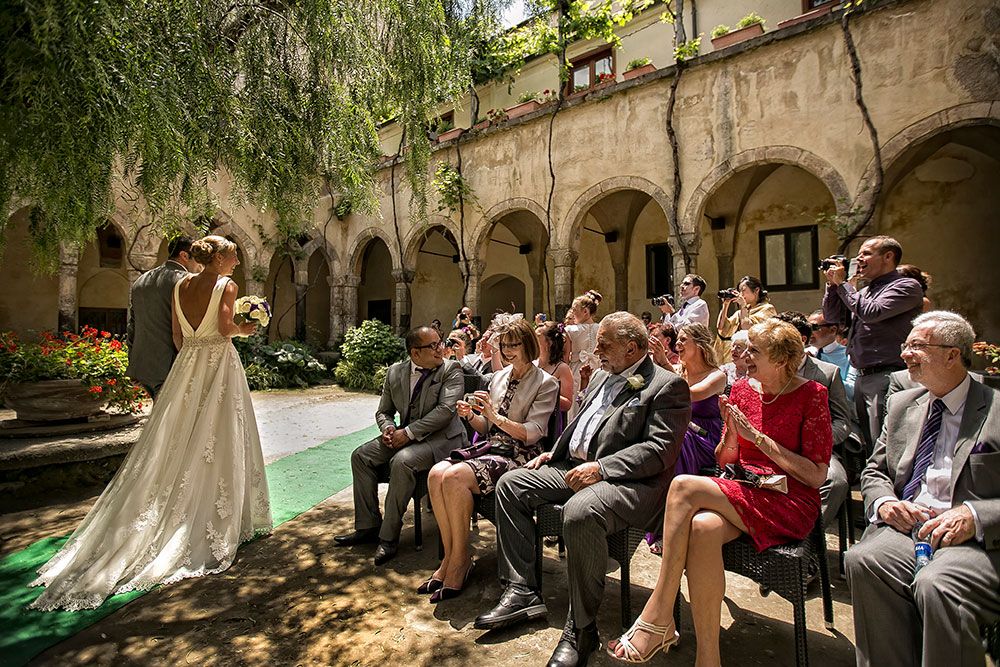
(563, 256)
(403, 275)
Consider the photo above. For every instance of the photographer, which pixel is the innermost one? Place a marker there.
(463, 318)
(750, 298)
(693, 309)
(880, 316)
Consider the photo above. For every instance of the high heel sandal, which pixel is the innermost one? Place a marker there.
(447, 593)
(632, 654)
(429, 586)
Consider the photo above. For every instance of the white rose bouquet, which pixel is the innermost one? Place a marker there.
(253, 309)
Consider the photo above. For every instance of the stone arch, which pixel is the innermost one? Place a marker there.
(578, 211)
(962, 115)
(229, 227)
(411, 246)
(499, 211)
(790, 155)
(318, 242)
(356, 252)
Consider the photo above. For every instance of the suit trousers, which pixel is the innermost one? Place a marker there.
(834, 491)
(589, 516)
(869, 401)
(932, 619)
(403, 465)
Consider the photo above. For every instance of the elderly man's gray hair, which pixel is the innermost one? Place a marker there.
(625, 326)
(950, 329)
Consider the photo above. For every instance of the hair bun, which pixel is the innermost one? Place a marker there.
(595, 295)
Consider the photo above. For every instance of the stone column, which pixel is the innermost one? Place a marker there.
(473, 294)
(564, 260)
(68, 298)
(301, 289)
(402, 310)
(336, 310)
(349, 300)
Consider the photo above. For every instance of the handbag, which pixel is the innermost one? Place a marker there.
(498, 444)
(738, 473)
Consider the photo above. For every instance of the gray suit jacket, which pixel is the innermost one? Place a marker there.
(828, 375)
(150, 339)
(975, 472)
(900, 380)
(435, 419)
(638, 439)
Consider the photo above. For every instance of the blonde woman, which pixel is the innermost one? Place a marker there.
(583, 339)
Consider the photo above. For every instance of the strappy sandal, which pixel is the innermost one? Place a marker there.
(632, 654)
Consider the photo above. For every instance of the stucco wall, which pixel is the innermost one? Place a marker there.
(28, 300)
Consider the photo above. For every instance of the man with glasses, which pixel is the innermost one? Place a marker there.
(423, 391)
(827, 348)
(936, 463)
(693, 308)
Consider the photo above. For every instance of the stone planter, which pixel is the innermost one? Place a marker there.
(992, 381)
(522, 109)
(808, 16)
(448, 135)
(737, 36)
(639, 71)
(52, 400)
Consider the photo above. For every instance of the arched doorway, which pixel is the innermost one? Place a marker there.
(503, 293)
(513, 247)
(317, 301)
(437, 284)
(102, 282)
(280, 293)
(940, 201)
(29, 302)
(377, 288)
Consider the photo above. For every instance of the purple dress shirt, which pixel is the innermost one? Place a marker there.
(882, 315)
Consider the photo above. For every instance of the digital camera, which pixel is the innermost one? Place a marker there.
(728, 293)
(832, 262)
(662, 300)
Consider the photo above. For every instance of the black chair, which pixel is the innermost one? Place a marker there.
(991, 640)
(419, 491)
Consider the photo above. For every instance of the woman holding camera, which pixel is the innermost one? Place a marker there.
(512, 417)
(752, 305)
(776, 423)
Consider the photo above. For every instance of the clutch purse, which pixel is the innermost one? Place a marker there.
(497, 444)
(738, 473)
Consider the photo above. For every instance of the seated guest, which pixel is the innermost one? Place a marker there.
(514, 416)
(662, 345)
(700, 370)
(937, 462)
(775, 423)
(457, 345)
(423, 391)
(836, 488)
(823, 339)
(551, 343)
(922, 277)
(609, 469)
(752, 307)
(646, 317)
(482, 360)
(737, 368)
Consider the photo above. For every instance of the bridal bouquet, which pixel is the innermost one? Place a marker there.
(253, 309)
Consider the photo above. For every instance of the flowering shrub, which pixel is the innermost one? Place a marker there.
(992, 354)
(278, 365)
(367, 351)
(94, 357)
(605, 77)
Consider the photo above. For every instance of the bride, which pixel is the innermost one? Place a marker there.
(192, 488)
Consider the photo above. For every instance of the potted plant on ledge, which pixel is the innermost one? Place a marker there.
(526, 103)
(991, 376)
(750, 26)
(66, 376)
(638, 67)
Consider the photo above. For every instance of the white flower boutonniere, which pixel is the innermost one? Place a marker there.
(636, 381)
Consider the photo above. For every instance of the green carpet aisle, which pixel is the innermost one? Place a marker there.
(297, 483)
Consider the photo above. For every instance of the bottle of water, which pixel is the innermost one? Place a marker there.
(923, 552)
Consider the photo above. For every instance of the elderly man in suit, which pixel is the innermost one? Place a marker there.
(151, 348)
(610, 469)
(937, 462)
(423, 391)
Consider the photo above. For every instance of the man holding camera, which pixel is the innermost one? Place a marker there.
(880, 315)
(693, 308)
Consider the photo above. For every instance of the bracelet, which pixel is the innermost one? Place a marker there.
(758, 440)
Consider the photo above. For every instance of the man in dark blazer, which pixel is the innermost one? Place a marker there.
(151, 350)
(937, 462)
(610, 469)
(423, 391)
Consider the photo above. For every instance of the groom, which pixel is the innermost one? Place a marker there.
(610, 469)
(423, 390)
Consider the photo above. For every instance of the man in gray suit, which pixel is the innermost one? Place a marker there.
(151, 350)
(423, 391)
(610, 469)
(937, 462)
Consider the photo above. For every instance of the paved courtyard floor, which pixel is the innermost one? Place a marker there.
(294, 598)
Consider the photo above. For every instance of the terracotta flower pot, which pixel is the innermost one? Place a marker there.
(448, 135)
(522, 109)
(737, 36)
(52, 400)
(639, 71)
(808, 16)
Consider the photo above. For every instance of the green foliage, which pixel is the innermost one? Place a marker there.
(156, 98)
(366, 353)
(343, 208)
(278, 365)
(840, 223)
(527, 96)
(451, 187)
(688, 49)
(637, 63)
(753, 18)
(496, 116)
(720, 31)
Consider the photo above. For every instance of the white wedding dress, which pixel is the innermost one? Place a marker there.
(190, 491)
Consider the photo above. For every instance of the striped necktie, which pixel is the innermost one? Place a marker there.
(925, 449)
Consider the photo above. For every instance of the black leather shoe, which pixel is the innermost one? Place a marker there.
(517, 604)
(385, 552)
(363, 536)
(575, 647)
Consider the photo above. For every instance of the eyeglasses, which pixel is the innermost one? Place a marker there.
(430, 346)
(917, 347)
(686, 282)
(820, 325)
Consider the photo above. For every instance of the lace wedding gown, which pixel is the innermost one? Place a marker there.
(190, 491)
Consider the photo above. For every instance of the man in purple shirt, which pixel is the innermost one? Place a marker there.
(881, 315)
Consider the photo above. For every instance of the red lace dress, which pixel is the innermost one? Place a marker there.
(800, 422)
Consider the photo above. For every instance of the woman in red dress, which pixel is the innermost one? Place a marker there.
(775, 423)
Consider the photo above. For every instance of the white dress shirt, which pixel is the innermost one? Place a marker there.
(692, 311)
(579, 443)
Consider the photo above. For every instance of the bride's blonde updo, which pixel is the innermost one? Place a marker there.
(204, 250)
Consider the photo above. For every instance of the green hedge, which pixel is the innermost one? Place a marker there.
(278, 365)
(366, 355)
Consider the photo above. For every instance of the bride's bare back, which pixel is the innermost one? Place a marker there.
(194, 295)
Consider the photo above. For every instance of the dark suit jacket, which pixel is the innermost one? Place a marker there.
(638, 439)
(828, 375)
(151, 349)
(434, 419)
(975, 476)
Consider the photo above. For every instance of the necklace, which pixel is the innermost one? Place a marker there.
(782, 391)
